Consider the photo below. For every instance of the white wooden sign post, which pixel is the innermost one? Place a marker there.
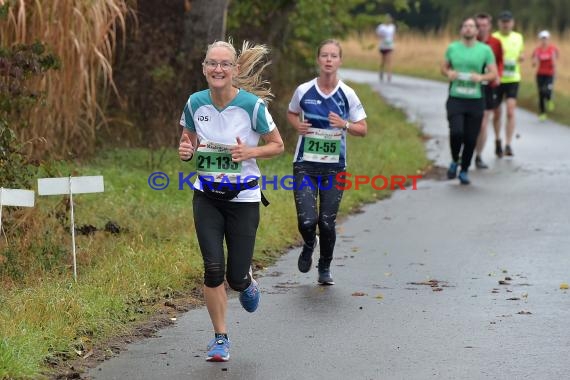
(70, 186)
(15, 197)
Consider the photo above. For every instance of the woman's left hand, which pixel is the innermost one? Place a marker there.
(336, 121)
(240, 152)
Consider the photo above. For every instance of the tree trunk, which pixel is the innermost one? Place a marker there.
(204, 23)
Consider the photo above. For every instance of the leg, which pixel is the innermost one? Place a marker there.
(549, 92)
(482, 138)
(490, 102)
(209, 224)
(305, 193)
(456, 120)
(497, 116)
(471, 132)
(511, 106)
(511, 93)
(328, 206)
(388, 65)
(241, 227)
(382, 63)
(541, 97)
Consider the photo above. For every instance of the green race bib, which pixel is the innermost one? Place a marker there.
(510, 67)
(463, 85)
(322, 145)
(215, 160)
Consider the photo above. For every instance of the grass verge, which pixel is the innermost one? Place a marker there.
(138, 246)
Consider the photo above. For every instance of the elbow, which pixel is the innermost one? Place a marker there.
(277, 147)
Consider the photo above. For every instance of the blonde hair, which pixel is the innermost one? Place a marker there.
(252, 61)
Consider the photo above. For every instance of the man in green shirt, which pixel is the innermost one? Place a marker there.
(467, 63)
(513, 48)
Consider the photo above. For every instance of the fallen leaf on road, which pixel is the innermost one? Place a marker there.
(508, 278)
(379, 297)
(437, 289)
(387, 274)
(513, 299)
(503, 282)
(524, 312)
(564, 286)
(359, 294)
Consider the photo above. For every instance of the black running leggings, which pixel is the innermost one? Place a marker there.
(312, 182)
(544, 84)
(237, 222)
(464, 116)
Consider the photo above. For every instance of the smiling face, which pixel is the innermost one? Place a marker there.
(219, 67)
(329, 58)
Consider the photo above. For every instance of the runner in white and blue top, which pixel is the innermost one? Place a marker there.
(309, 101)
(249, 118)
(323, 111)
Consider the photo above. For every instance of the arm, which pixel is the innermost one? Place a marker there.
(447, 71)
(301, 126)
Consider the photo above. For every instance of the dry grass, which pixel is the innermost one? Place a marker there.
(83, 35)
(423, 55)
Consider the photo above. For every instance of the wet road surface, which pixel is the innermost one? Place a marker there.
(445, 282)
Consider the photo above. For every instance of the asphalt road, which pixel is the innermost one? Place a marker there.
(418, 293)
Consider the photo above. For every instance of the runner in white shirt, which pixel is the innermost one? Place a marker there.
(222, 127)
(386, 33)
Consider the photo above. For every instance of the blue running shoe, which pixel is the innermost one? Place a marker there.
(464, 178)
(305, 261)
(218, 350)
(249, 298)
(452, 171)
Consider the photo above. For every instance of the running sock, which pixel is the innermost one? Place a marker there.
(220, 335)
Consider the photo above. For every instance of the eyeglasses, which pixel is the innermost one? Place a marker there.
(212, 65)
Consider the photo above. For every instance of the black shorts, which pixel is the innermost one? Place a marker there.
(507, 90)
(491, 99)
(385, 51)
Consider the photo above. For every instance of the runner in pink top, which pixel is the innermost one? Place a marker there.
(544, 58)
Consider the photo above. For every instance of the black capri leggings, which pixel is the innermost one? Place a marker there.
(544, 84)
(237, 222)
(312, 183)
(464, 116)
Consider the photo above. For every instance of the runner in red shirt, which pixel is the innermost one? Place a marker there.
(545, 56)
(484, 23)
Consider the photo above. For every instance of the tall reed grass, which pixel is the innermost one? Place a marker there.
(82, 34)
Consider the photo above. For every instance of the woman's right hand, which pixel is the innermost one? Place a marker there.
(185, 149)
(303, 127)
